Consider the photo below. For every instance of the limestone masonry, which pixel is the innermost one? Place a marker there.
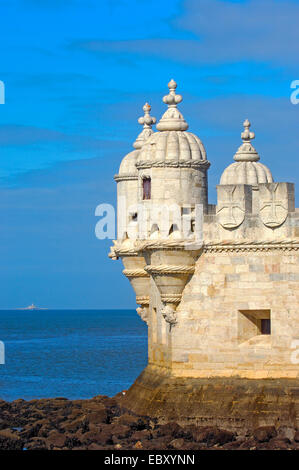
(217, 285)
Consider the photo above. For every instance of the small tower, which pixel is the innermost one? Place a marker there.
(247, 170)
(127, 181)
(172, 173)
(127, 216)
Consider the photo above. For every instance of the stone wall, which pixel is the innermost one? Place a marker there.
(219, 317)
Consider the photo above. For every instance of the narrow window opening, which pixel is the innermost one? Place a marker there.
(134, 217)
(146, 188)
(265, 326)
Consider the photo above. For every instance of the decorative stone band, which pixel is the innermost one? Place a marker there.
(142, 300)
(264, 245)
(121, 248)
(118, 178)
(164, 245)
(119, 251)
(171, 298)
(135, 273)
(197, 164)
(165, 269)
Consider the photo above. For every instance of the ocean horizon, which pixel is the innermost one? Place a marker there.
(70, 353)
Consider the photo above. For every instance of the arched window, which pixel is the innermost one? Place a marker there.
(146, 188)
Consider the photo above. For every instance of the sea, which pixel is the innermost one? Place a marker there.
(70, 353)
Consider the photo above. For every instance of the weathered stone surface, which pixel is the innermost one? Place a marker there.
(224, 402)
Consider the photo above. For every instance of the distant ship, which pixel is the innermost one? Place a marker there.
(32, 307)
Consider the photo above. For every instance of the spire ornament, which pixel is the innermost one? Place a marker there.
(247, 153)
(146, 121)
(172, 119)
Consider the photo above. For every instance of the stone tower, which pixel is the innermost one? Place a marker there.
(218, 285)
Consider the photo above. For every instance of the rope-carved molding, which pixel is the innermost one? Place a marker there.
(165, 244)
(135, 273)
(168, 269)
(142, 300)
(171, 298)
(199, 164)
(243, 246)
(123, 248)
(128, 177)
(209, 246)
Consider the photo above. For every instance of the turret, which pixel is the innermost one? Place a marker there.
(127, 181)
(172, 171)
(127, 214)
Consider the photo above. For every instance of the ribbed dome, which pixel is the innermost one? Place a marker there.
(128, 164)
(172, 148)
(246, 173)
(247, 169)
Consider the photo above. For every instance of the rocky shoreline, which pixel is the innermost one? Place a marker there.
(101, 423)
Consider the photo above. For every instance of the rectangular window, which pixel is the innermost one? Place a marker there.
(146, 188)
(252, 323)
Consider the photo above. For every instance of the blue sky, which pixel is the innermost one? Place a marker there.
(77, 73)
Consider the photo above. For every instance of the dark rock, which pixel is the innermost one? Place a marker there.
(98, 416)
(10, 440)
(71, 442)
(248, 443)
(264, 433)
(95, 446)
(170, 429)
(36, 443)
(30, 431)
(121, 431)
(79, 423)
(177, 444)
(212, 435)
(233, 445)
(279, 444)
(286, 432)
(296, 437)
(141, 435)
(160, 443)
(134, 422)
(56, 440)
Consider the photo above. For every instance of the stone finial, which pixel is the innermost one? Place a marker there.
(172, 119)
(246, 135)
(172, 99)
(146, 121)
(247, 153)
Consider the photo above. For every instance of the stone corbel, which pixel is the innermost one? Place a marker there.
(169, 315)
(143, 313)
